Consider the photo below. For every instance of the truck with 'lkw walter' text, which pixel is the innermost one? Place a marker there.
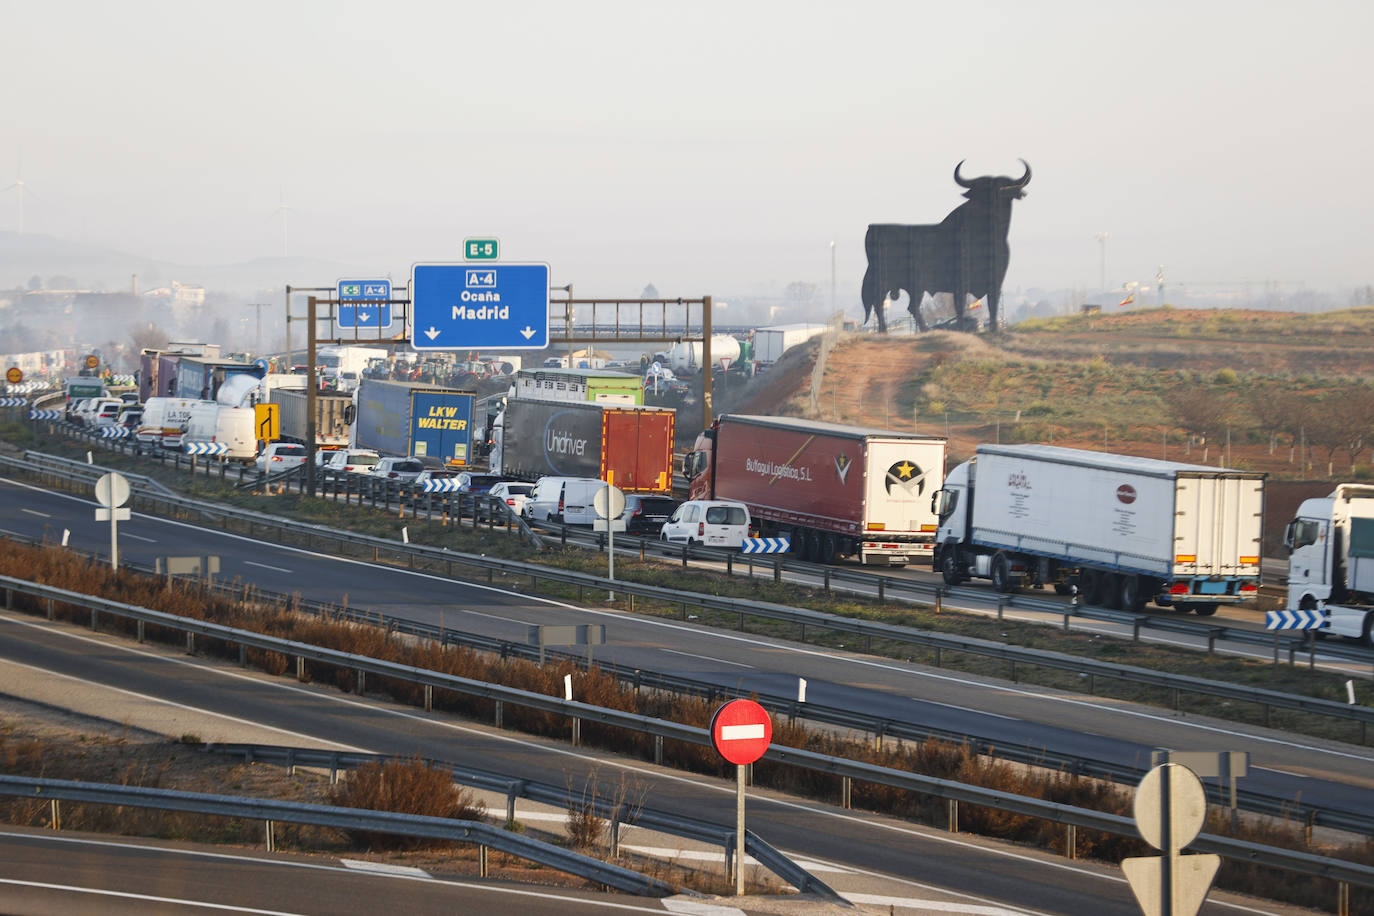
(1122, 531)
(834, 491)
(403, 419)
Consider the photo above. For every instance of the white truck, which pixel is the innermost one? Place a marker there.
(1124, 531)
(771, 343)
(336, 360)
(1331, 560)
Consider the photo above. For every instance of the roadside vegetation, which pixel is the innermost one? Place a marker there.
(935, 758)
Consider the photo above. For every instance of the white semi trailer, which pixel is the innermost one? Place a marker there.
(1331, 560)
(1124, 531)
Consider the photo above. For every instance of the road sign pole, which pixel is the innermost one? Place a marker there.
(739, 829)
(114, 539)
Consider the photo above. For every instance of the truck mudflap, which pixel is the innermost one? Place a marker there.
(894, 553)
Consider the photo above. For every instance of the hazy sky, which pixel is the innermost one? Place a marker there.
(704, 147)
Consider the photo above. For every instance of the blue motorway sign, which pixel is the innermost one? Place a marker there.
(368, 307)
(479, 307)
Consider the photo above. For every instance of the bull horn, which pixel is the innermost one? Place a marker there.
(1025, 179)
(959, 181)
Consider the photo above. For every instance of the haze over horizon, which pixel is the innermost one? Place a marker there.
(708, 149)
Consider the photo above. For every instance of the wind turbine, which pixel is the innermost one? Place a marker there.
(20, 187)
(283, 209)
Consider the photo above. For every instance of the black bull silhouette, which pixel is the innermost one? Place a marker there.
(965, 253)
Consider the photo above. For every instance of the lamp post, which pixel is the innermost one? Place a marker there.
(832, 278)
(1102, 260)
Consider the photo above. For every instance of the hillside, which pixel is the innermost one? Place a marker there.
(1256, 390)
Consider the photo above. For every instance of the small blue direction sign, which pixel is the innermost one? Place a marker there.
(363, 304)
(1294, 620)
(479, 307)
(764, 545)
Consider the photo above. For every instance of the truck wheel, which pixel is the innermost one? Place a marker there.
(1063, 588)
(949, 567)
(1091, 584)
(1205, 610)
(827, 549)
(1132, 594)
(1001, 574)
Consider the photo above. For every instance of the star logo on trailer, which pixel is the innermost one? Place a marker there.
(906, 478)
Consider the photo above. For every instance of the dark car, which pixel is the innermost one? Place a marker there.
(645, 513)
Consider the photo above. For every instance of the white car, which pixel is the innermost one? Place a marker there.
(514, 493)
(351, 461)
(401, 470)
(713, 522)
(280, 456)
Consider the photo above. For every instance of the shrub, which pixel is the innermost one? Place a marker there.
(406, 787)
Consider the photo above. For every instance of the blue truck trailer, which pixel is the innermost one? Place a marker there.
(399, 418)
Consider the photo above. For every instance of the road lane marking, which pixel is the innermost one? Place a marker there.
(35, 512)
(129, 843)
(1284, 772)
(384, 868)
(754, 641)
(138, 537)
(976, 712)
(265, 566)
(707, 658)
(102, 892)
(933, 906)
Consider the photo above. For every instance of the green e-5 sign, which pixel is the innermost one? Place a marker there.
(480, 249)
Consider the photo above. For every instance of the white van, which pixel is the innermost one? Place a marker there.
(713, 522)
(234, 426)
(563, 499)
(164, 421)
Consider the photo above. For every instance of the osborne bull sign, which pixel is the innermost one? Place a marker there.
(966, 253)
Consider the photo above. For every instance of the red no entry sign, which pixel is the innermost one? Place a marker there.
(741, 731)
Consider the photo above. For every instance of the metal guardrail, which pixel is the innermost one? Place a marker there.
(906, 589)
(847, 770)
(480, 508)
(610, 810)
(412, 553)
(271, 810)
(846, 718)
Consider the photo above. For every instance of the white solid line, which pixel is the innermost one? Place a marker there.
(1284, 772)
(934, 906)
(384, 868)
(138, 537)
(35, 512)
(707, 658)
(741, 732)
(265, 566)
(72, 889)
(698, 908)
(978, 712)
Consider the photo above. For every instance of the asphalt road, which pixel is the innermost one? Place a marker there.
(1323, 773)
(72, 874)
(960, 870)
(1005, 711)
